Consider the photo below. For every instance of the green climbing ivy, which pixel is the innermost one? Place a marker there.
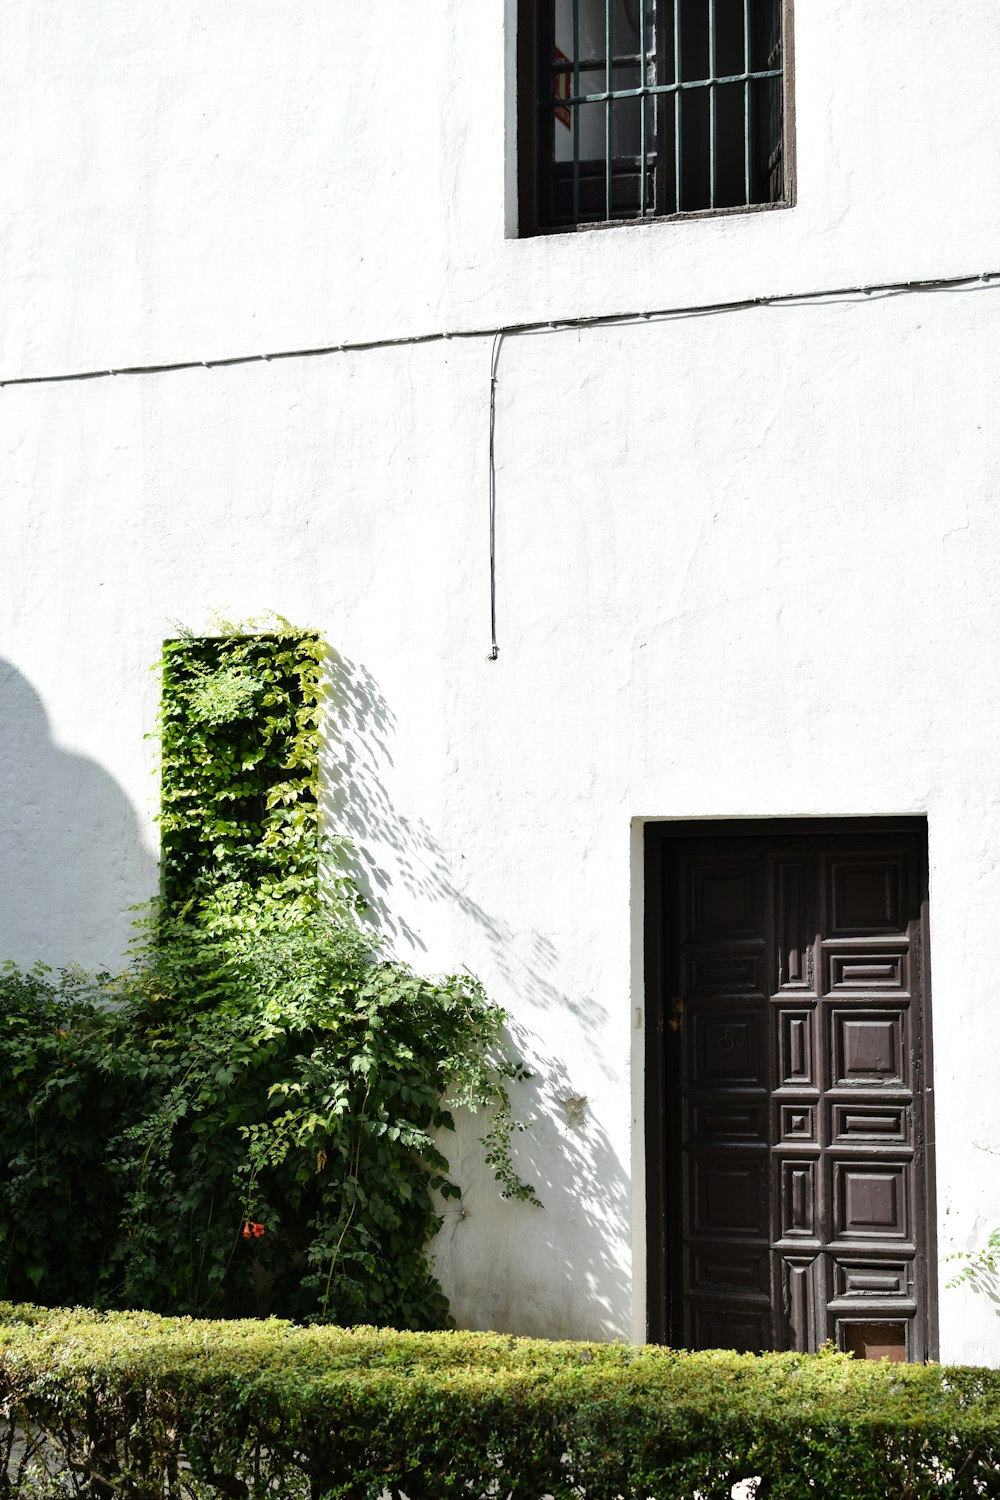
(247, 1119)
(240, 738)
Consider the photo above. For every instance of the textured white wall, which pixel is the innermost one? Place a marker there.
(190, 181)
(747, 563)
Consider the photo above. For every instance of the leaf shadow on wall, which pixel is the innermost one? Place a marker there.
(562, 1272)
(354, 801)
(72, 859)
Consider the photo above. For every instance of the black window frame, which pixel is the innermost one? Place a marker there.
(654, 199)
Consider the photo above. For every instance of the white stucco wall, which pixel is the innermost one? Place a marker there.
(747, 562)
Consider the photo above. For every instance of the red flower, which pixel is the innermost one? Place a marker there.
(250, 1228)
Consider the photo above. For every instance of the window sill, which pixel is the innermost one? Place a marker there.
(743, 210)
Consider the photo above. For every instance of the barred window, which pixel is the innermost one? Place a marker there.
(635, 109)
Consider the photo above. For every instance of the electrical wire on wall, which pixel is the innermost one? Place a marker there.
(494, 650)
(554, 325)
(609, 320)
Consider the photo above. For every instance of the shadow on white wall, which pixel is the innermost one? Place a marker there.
(354, 801)
(72, 857)
(562, 1271)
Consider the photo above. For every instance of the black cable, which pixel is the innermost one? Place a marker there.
(598, 320)
(494, 651)
(553, 325)
(541, 325)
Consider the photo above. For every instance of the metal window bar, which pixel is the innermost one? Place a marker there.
(713, 107)
(684, 86)
(643, 79)
(608, 106)
(775, 171)
(746, 101)
(678, 109)
(575, 111)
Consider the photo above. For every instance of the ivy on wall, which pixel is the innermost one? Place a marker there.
(240, 738)
(253, 1124)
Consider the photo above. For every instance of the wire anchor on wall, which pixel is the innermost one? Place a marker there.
(494, 650)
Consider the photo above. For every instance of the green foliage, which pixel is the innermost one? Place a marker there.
(240, 738)
(138, 1405)
(980, 1268)
(247, 1119)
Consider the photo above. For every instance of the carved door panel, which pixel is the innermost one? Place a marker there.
(788, 1091)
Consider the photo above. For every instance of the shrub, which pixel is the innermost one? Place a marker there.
(136, 1405)
(304, 1096)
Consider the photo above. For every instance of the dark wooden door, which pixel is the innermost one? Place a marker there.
(788, 1089)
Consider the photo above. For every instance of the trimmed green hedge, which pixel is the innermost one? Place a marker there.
(130, 1404)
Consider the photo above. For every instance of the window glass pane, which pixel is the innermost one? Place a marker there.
(626, 76)
(585, 120)
(625, 29)
(767, 183)
(693, 25)
(729, 57)
(765, 40)
(626, 192)
(588, 123)
(564, 133)
(590, 21)
(694, 113)
(562, 85)
(625, 127)
(592, 131)
(624, 18)
(730, 187)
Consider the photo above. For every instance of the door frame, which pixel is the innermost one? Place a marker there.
(662, 1083)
